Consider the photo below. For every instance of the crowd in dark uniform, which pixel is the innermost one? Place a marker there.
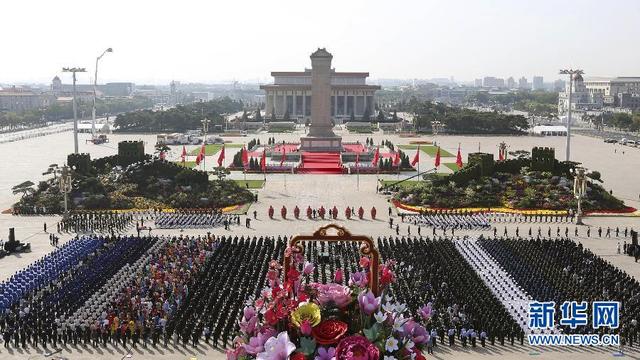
(195, 219)
(99, 222)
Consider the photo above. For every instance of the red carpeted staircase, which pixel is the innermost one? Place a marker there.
(320, 163)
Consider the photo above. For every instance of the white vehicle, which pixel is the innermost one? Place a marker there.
(177, 139)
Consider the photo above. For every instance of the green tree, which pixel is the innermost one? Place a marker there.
(286, 116)
(381, 118)
(25, 188)
(273, 115)
(258, 117)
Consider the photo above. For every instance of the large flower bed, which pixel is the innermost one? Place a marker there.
(298, 319)
(529, 192)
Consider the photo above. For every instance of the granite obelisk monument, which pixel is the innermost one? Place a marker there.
(321, 136)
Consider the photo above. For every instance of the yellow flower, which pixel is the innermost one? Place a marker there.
(308, 311)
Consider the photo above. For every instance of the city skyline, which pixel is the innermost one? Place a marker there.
(154, 43)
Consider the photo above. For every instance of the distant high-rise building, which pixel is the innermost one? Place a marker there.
(492, 82)
(478, 83)
(558, 85)
(538, 83)
(523, 84)
(511, 83)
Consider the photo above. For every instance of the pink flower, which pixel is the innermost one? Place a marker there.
(277, 348)
(359, 279)
(337, 294)
(364, 262)
(356, 347)
(425, 312)
(338, 277)
(308, 268)
(256, 344)
(234, 354)
(249, 326)
(305, 328)
(368, 302)
(326, 354)
(249, 312)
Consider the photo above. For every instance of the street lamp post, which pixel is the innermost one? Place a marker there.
(436, 126)
(75, 107)
(205, 129)
(579, 190)
(65, 186)
(95, 85)
(572, 74)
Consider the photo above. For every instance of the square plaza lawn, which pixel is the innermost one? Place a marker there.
(452, 166)
(188, 164)
(213, 149)
(428, 149)
(250, 184)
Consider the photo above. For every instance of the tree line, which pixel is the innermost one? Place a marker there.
(180, 118)
(457, 120)
(64, 110)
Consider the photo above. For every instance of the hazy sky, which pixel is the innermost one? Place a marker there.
(218, 40)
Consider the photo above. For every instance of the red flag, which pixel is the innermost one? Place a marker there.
(221, 157)
(263, 161)
(376, 157)
(245, 158)
(396, 159)
(437, 164)
(201, 155)
(184, 153)
(500, 155)
(416, 158)
(459, 158)
(284, 154)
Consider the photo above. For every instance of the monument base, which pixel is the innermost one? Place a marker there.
(321, 144)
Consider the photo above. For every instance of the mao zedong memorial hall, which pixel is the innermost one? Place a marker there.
(322, 95)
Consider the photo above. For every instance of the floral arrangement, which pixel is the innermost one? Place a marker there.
(299, 319)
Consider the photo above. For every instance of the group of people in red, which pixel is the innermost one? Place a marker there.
(321, 212)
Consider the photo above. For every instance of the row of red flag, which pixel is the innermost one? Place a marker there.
(416, 158)
(202, 154)
(263, 157)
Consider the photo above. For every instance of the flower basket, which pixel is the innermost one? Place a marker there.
(294, 319)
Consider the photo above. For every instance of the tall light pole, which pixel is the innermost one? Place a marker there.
(65, 186)
(579, 191)
(572, 74)
(74, 70)
(95, 85)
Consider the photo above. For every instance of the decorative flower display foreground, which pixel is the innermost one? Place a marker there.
(298, 319)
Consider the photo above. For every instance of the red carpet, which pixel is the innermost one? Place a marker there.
(320, 163)
(358, 148)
